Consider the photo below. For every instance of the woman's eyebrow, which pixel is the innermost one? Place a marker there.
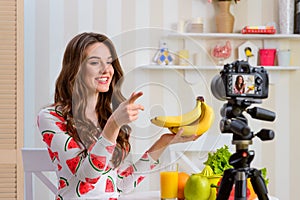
(96, 57)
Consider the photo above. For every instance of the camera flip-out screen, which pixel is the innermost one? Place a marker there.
(241, 84)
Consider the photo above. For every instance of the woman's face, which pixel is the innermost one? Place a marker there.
(98, 70)
(240, 80)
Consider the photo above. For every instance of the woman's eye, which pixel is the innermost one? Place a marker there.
(94, 63)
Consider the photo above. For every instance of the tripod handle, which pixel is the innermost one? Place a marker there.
(262, 114)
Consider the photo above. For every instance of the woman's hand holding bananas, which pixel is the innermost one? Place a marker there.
(195, 122)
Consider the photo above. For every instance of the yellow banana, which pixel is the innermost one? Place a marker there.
(180, 120)
(202, 125)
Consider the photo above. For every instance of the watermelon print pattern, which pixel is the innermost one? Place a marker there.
(92, 180)
(83, 188)
(59, 167)
(138, 180)
(63, 182)
(71, 144)
(109, 185)
(145, 157)
(97, 162)
(62, 122)
(74, 164)
(90, 177)
(56, 114)
(62, 126)
(48, 136)
(53, 155)
(127, 172)
(110, 149)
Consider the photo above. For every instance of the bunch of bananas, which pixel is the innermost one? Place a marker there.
(197, 121)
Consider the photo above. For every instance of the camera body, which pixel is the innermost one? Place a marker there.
(239, 79)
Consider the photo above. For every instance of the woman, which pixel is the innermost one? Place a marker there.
(239, 86)
(86, 129)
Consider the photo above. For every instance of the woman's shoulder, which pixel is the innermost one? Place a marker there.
(50, 111)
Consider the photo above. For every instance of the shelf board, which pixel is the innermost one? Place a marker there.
(234, 36)
(162, 67)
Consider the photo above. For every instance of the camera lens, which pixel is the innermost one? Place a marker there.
(218, 88)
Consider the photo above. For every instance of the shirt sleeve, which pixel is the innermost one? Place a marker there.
(130, 175)
(65, 152)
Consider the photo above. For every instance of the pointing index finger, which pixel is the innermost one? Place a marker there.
(134, 96)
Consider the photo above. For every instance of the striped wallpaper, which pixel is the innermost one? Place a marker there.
(136, 26)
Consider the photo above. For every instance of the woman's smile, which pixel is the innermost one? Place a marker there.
(102, 80)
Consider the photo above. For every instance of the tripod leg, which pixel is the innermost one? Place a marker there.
(259, 185)
(240, 186)
(226, 185)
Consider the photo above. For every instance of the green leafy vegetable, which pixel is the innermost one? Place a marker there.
(219, 160)
(264, 175)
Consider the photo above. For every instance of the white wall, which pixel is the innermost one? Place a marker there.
(136, 26)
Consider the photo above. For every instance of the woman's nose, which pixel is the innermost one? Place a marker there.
(104, 67)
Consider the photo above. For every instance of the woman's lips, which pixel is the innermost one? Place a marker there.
(102, 80)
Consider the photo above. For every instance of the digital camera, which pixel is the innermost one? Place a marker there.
(239, 79)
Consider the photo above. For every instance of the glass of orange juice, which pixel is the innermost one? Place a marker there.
(169, 182)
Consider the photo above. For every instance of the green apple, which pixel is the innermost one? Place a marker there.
(197, 187)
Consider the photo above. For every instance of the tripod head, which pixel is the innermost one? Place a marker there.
(234, 121)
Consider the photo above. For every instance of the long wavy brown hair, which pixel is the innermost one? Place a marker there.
(70, 93)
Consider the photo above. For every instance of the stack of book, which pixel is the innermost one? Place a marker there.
(259, 30)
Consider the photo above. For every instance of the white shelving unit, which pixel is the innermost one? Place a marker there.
(192, 77)
(188, 70)
(234, 36)
(168, 67)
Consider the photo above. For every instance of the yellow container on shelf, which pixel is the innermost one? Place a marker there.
(184, 56)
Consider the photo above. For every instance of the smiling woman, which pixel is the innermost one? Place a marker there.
(86, 128)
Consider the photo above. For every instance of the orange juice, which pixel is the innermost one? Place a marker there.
(168, 184)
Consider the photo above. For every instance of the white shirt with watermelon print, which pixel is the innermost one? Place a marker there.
(91, 177)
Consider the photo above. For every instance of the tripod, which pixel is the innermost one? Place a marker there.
(234, 121)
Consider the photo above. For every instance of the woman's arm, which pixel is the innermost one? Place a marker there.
(131, 174)
(165, 140)
(126, 113)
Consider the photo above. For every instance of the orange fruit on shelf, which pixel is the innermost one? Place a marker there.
(182, 179)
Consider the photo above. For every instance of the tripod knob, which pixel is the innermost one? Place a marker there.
(265, 134)
(240, 128)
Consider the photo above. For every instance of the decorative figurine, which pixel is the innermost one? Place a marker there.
(163, 56)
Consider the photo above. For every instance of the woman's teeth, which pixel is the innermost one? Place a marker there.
(102, 79)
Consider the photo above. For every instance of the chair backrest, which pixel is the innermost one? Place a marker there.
(36, 161)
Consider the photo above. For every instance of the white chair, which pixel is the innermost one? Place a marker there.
(205, 144)
(36, 161)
